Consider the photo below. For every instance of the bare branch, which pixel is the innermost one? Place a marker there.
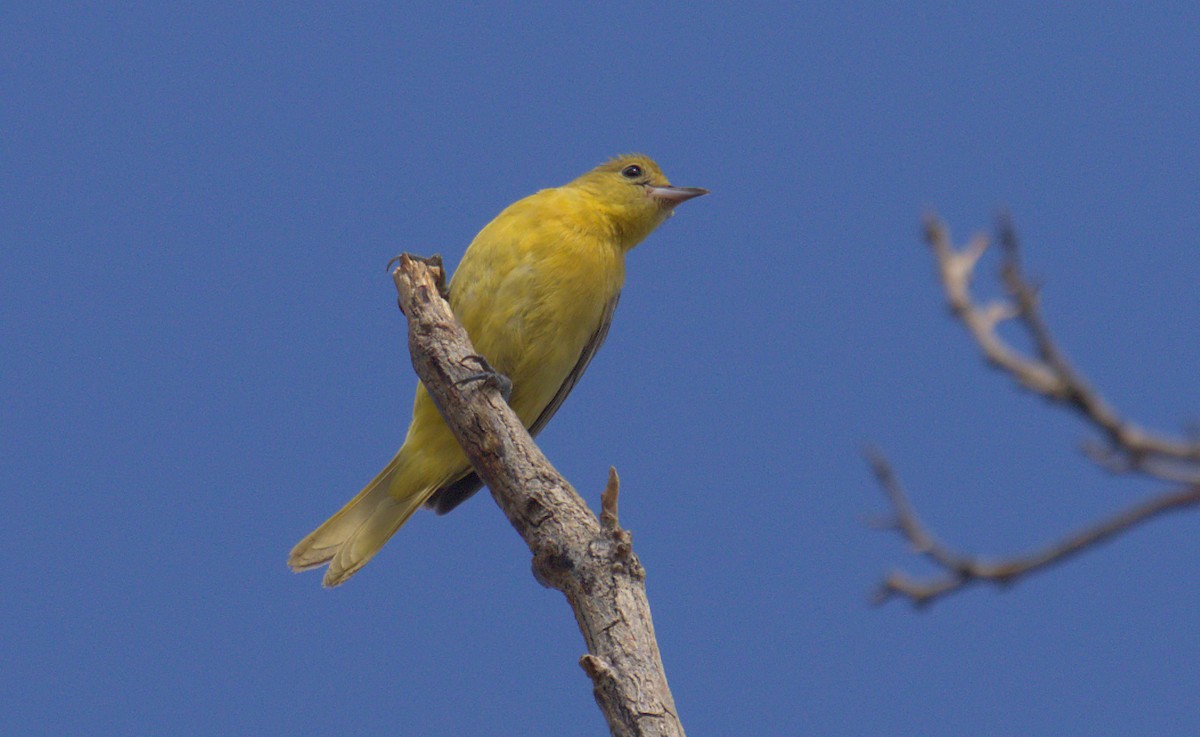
(961, 570)
(956, 269)
(1128, 448)
(593, 565)
(1050, 373)
(609, 519)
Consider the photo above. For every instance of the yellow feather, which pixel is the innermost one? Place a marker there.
(534, 291)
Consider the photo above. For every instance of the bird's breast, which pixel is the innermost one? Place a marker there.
(532, 297)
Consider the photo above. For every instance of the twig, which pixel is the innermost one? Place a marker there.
(961, 570)
(1128, 448)
(609, 518)
(1048, 374)
(593, 565)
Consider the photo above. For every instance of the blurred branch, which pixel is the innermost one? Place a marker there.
(1048, 373)
(961, 570)
(1126, 448)
(592, 563)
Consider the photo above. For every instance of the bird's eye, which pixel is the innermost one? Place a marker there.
(633, 171)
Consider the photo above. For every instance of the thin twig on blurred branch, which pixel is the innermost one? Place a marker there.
(1125, 448)
(591, 561)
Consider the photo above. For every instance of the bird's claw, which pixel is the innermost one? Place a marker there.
(489, 376)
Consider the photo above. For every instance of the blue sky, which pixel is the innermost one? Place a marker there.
(203, 360)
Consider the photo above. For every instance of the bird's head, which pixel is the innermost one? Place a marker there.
(633, 194)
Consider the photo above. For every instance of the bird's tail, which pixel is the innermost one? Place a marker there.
(350, 538)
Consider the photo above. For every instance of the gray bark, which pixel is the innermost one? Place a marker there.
(590, 561)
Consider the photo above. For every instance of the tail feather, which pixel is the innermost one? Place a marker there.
(350, 538)
(366, 541)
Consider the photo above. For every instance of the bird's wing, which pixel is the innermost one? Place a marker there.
(581, 365)
(451, 495)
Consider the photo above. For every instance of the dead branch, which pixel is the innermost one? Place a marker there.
(1127, 447)
(592, 564)
(961, 570)
(1049, 373)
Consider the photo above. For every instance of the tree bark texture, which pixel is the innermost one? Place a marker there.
(590, 561)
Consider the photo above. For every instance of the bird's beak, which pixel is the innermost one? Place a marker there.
(669, 197)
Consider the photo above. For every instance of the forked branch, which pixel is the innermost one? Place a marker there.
(960, 570)
(1126, 447)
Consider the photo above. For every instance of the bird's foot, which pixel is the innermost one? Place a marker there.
(489, 376)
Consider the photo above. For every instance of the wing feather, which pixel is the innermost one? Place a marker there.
(451, 495)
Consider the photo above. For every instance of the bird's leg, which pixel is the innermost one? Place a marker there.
(488, 375)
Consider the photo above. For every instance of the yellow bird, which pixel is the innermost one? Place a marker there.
(536, 291)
